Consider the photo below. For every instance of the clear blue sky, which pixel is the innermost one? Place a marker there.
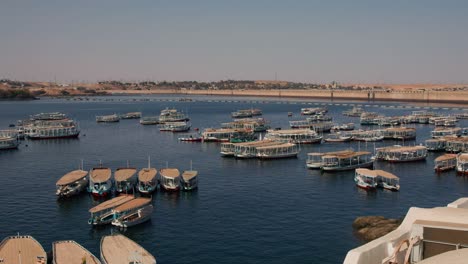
(311, 41)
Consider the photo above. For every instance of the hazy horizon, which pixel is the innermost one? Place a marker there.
(302, 41)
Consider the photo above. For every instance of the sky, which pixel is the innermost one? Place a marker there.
(349, 41)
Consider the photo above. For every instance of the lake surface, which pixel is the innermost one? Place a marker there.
(245, 211)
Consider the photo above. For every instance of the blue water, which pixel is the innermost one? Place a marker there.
(245, 211)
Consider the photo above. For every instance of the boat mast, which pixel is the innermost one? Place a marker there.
(190, 164)
(149, 162)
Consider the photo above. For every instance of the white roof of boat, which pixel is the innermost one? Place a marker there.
(187, 175)
(135, 203)
(99, 175)
(376, 173)
(27, 246)
(446, 157)
(122, 174)
(70, 252)
(169, 172)
(71, 177)
(147, 174)
(117, 249)
(114, 202)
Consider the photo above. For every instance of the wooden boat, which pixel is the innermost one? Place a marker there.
(149, 120)
(462, 163)
(175, 126)
(364, 179)
(338, 137)
(70, 252)
(108, 118)
(440, 132)
(225, 134)
(194, 137)
(253, 124)
(401, 153)
(8, 143)
(370, 179)
(314, 159)
(22, 250)
(102, 213)
(445, 162)
(118, 249)
(344, 127)
(170, 179)
(189, 179)
(125, 180)
(296, 136)
(100, 182)
(346, 161)
(72, 183)
(277, 151)
(400, 133)
(147, 179)
(133, 212)
(131, 115)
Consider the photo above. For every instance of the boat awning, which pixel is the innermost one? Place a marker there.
(376, 173)
(188, 175)
(99, 175)
(71, 177)
(446, 157)
(111, 203)
(135, 203)
(147, 174)
(123, 174)
(170, 173)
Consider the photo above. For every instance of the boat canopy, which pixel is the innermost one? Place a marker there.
(446, 157)
(69, 251)
(111, 203)
(119, 248)
(123, 174)
(376, 173)
(99, 175)
(170, 173)
(147, 174)
(188, 175)
(71, 177)
(132, 204)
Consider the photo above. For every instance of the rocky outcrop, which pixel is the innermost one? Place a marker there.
(371, 227)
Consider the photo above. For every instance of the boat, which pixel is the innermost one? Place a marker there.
(247, 149)
(100, 182)
(290, 114)
(227, 149)
(278, 151)
(354, 112)
(132, 213)
(346, 161)
(399, 153)
(254, 124)
(172, 115)
(367, 135)
(313, 110)
(226, 135)
(314, 159)
(461, 115)
(175, 126)
(52, 132)
(241, 114)
(296, 136)
(70, 252)
(48, 116)
(8, 143)
(193, 137)
(306, 124)
(445, 162)
(370, 179)
(369, 118)
(72, 183)
(22, 250)
(149, 120)
(118, 249)
(365, 179)
(108, 118)
(147, 179)
(344, 127)
(170, 179)
(440, 132)
(338, 137)
(102, 214)
(131, 115)
(437, 144)
(399, 133)
(462, 163)
(455, 145)
(189, 180)
(125, 179)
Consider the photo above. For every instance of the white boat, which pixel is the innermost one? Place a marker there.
(70, 252)
(440, 132)
(346, 161)
(313, 110)
(344, 127)
(354, 112)
(170, 179)
(296, 136)
(100, 182)
(172, 115)
(445, 162)
(401, 153)
(175, 126)
(191, 137)
(147, 179)
(72, 183)
(370, 179)
(462, 163)
(50, 132)
(125, 179)
(400, 133)
(131, 115)
(278, 151)
(108, 118)
(48, 116)
(102, 214)
(149, 120)
(338, 137)
(133, 212)
(22, 250)
(118, 249)
(189, 179)
(226, 135)
(365, 179)
(241, 114)
(367, 135)
(8, 143)
(314, 159)
(247, 150)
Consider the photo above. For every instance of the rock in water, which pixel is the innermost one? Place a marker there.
(372, 227)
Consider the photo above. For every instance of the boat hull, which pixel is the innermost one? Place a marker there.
(285, 156)
(34, 137)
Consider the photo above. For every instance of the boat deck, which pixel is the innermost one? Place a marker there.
(21, 250)
(123, 174)
(71, 177)
(70, 252)
(111, 203)
(118, 249)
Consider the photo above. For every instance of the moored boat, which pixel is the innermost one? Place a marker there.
(125, 179)
(445, 162)
(399, 153)
(133, 212)
(149, 120)
(131, 115)
(172, 115)
(193, 137)
(108, 118)
(296, 136)
(102, 214)
(72, 183)
(8, 143)
(100, 182)
(118, 249)
(70, 252)
(175, 126)
(346, 161)
(314, 159)
(364, 179)
(225, 135)
(246, 150)
(278, 151)
(462, 163)
(370, 179)
(354, 112)
(189, 180)
(338, 137)
(170, 179)
(147, 179)
(22, 250)
(440, 132)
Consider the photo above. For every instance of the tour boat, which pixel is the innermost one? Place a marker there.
(317, 127)
(296, 136)
(21, 249)
(8, 143)
(172, 115)
(401, 153)
(338, 137)
(131, 115)
(48, 116)
(50, 132)
(72, 183)
(225, 135)
(346, 161)
(354, 112)
(70, 252)
(456, 145)
(102, 214)
(189, 179)
(365, 179)
(108, 118)
(445, 162)
(175, 126)
(132, 213)
(254, 124)
(369, 118)
(149, 120)
(462, 163)
(118, 248)
(193, 137)
(248, 149)
(314, 159)
(278, 151)
(227, 149)
(370, 179)
(401, 133)
(367, 135)
(242, 114)
(313, 110)
(100, 182)
(439, 132)
(387, 180)
(147, 180)
(344, 127)
(170, 179)
(438, 144)
(125, 179)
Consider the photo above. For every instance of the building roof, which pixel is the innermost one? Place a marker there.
(118, 249)
(26, 248)
(71, 177)
(169, 172)
(100, 175)
(114, 202)
(70, 252)
(123, 174)
(134, 203)
(147, 174)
